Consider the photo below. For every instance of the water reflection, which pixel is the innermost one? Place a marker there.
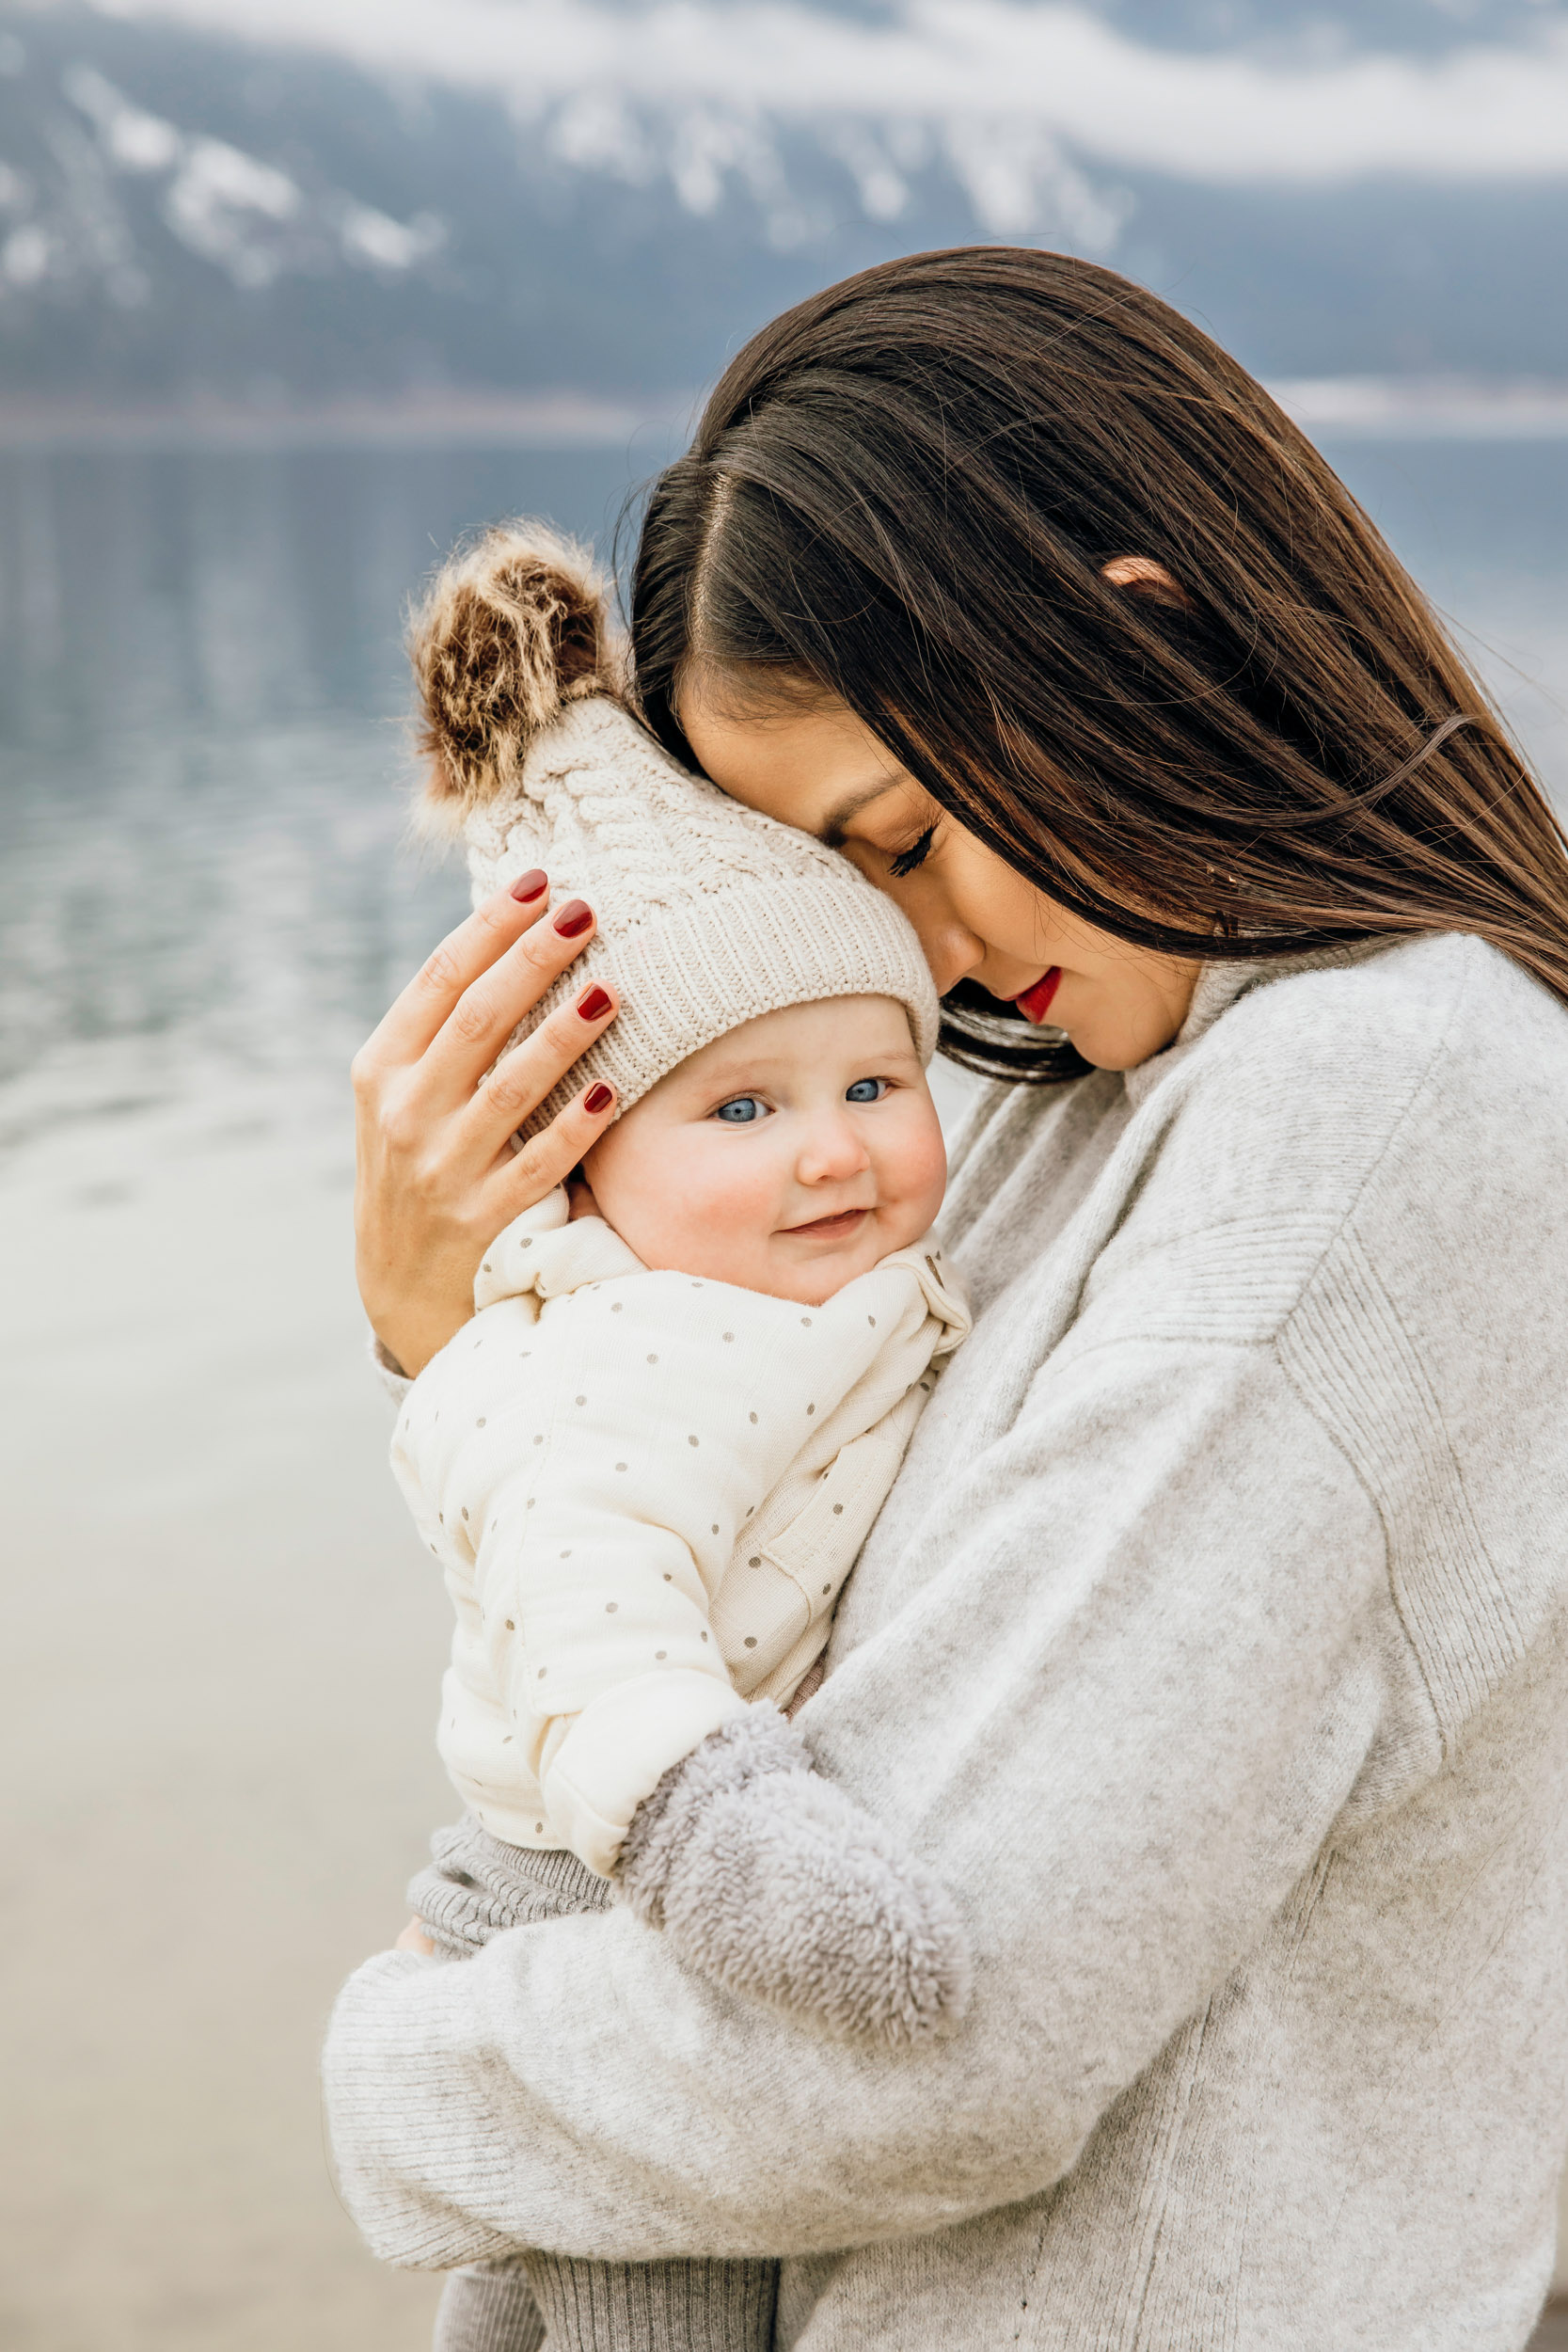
(203, 778)
(152, 592)
(1483, 527)
(202, 775)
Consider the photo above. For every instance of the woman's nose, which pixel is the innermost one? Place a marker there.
(949, 946)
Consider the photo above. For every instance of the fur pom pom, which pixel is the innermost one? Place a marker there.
(509, 630)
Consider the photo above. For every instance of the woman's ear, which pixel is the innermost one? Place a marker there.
(1145, 578)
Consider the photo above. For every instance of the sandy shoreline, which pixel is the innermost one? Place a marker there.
(224, 1645)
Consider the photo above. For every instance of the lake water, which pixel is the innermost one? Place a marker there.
(203, 769)
(221, 1642)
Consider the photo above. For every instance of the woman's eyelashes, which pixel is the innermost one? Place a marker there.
(916, 854)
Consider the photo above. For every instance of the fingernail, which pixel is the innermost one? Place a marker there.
(574, 918)
(530, 885)
(598, 1099)
(594, 1005)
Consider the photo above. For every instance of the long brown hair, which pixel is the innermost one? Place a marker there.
(903, 492)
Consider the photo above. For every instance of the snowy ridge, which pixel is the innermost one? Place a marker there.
(287, 204)
(247, 218)
(1317, 112)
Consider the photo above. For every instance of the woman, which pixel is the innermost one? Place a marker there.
(1211, 1647)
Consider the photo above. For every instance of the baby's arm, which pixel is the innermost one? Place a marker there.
(600, 1623)
(597, 1520)
(582, 1547)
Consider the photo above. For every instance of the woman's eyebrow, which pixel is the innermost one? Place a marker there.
(831, 831)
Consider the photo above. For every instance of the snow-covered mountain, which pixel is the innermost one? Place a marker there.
(282, 201)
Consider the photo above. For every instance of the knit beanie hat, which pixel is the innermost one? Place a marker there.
(709, 913)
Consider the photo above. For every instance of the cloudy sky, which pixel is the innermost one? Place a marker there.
(1491, 108)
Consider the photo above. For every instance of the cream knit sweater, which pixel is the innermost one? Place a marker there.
(1212, 1649)
(646, 1492)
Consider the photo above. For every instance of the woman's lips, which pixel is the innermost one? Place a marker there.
(1034, 1003)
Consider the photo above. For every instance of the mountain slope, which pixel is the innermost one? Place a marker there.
(186, 212)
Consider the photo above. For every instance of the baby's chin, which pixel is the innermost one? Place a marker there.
(807, 1268)
(812, 1272)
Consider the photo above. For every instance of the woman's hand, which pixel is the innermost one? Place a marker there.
(414, 1939)
(437, 1180)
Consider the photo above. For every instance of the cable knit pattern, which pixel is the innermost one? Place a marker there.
(1211, 1651)
(709, 913)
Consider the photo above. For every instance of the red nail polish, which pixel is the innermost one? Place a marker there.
(530, 885)
(574, 918)
(598, 1099)
(594, 1005)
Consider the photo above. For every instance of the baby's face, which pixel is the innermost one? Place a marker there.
(785, 1157)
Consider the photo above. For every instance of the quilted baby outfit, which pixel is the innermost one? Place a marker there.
(646, 1492)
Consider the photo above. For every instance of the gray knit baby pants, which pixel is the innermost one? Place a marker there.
(474, 1888)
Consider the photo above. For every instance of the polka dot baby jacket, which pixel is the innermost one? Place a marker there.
(646, 1492)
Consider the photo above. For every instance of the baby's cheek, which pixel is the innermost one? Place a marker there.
(710, 1211)
(728, 1206)
(916, 1173)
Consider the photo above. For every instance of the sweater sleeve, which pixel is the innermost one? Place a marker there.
(1142, 1657)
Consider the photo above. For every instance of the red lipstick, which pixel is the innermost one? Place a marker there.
(1034, 1003)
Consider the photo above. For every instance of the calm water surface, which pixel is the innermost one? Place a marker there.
(219, 1649)
(204, 776)
(202, 773)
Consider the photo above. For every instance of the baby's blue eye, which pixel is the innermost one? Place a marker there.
(742, 1110)
(866, 1091)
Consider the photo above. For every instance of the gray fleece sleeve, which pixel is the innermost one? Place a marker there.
(1142, 1654)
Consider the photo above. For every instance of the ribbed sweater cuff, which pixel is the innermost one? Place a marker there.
(661, 2307)
(407, 2110)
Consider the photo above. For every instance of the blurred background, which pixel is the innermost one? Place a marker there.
(293, 292)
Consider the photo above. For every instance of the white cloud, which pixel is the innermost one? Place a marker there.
(1443, 407)
(1034, 75)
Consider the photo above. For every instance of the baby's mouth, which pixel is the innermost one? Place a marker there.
(837, 1227)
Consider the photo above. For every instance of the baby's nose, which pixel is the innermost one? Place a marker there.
(832, 1152)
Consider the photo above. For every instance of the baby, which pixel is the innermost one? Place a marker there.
(648, 1463)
